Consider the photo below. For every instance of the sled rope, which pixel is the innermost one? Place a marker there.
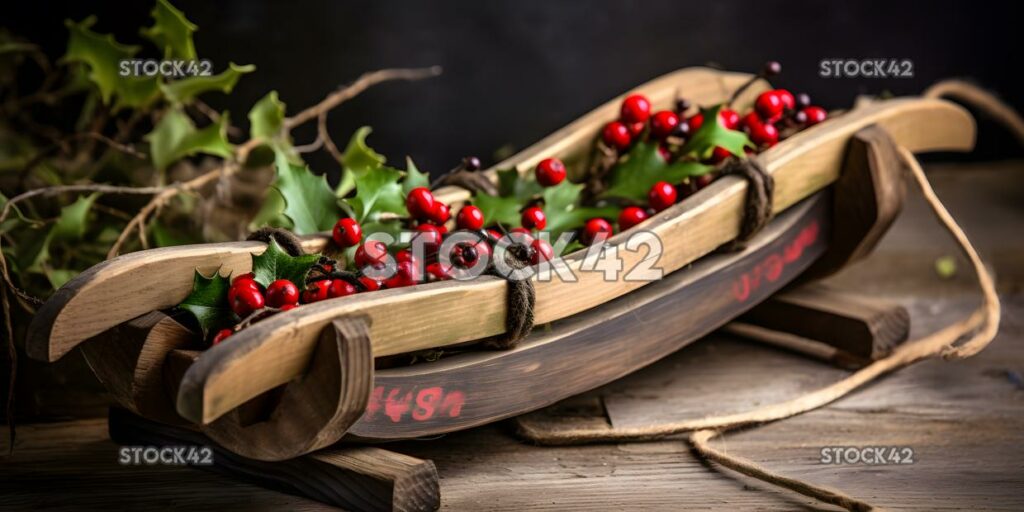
(520, 298)
(979, 329)
(286, 239)
(757, 207)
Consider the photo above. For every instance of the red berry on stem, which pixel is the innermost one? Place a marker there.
(814, 115)
(787, 98)
(341, 288)
(719, 154)
(635, 109)
(246, 279)
(221, 335)
(594, 229)
(420, 202)
(405, 275)
(636, 129)
(550, 172)
(281, 293)
(617, 135)
(470, 217)
(440, 214)
(347, 233)
(403, 255)
(542, 251)
(370, 283)
(764, 134)
(520, 235)
(663, 123)
(245, 299)
(729, 118)
(439, 271)
(534, 218)
(695, 122)
(430, 236)
(317, 291)
(372, 253)
(749, 120)
(631, 216)
(769, 106)
(661, 196)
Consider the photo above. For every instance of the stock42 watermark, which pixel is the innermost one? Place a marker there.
(165, 456)
(866, 68)
(868, 455)
(168, 68)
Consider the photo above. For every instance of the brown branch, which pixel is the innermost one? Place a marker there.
(321, 128)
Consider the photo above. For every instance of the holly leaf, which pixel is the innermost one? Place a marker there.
(561, 207)
(377, 191)
(103, 55)
(175, 137)
(171, 31)
(271, 212)
(511, 184)
(498, 209)
(643, 167)
(71, 224)
(266, 118)
(186, 89)
(208, 302)
(711, 135)
(309, 202)
(274, 263)
(413, 177)
(358, 158)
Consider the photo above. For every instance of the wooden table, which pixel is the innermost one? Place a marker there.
(964, 420)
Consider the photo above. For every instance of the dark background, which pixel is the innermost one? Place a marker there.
(517, 70)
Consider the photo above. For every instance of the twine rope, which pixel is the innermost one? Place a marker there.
(758, 205)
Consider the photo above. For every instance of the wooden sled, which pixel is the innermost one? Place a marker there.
(303, 379)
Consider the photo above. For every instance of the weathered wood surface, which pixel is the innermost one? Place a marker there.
(965, 420)
(354, 477)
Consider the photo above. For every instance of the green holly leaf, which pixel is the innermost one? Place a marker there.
(103, 55)
(643, 167)
(377, 191)
(357, 158)
(171, 31)
(186, 89)
(309, 202)
(208, 302)
(413, 177)
(271, 213)
(561, 207)
(498, 209)
(71, 224)
(175, 137)
(274, 263)
(266, 118)
(711, 135)
(511, 184)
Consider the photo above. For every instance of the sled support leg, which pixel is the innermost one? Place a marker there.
(353, 478)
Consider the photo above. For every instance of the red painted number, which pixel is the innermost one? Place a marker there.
(417, 404)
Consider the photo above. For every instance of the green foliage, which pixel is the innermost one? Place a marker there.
(511, 184)
(309, 202)
(643, 167)
(266, 118)
(171, 31)
(563, 212)
(712, 134)
(208, 302)
(274, 263)
(413, 177)
(498, 209)
(377, 191)
(358, 157)
(186, 89)
(102, 54)
(175, 137)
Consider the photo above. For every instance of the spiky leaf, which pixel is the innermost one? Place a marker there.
(498, 209)
(186, 89)
(266, 118)
(413, 177)
(713, 134)
(377, 191)
(274, 263)
(561, 207)
(175, 137)
(643, 167)
(358, 158)
(309, 202)
(171, 31)
(103, 55)
(208, 302)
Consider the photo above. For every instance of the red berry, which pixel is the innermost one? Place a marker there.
(594, 228)
(289, 307)
(221, 335)
(317, 291)
(420, 202)
(521, 235)
(244, 299)
(664, 152)
(663, 122)
(440, 272)
(719, 154)
(635, 129)
(281, 293)
(769, 105)
(533, 218)
(465, 255)
(764, 134)
(550, 172)
(470, 217)
(695, 122)
(370, 283)
(246, 279)
(440, 214)
(617, 135)
(341, 288)
(788, 101)
(661, 196)
(542, 251)
(403, 255)
(635, 109)
(405, 275)
(814, 115)
(631, 216)
(347, 233)
(430, 236)
(372, 253)
(729, 118)
(749, 120)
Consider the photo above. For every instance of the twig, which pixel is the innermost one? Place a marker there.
(317, 143)
(321, 128)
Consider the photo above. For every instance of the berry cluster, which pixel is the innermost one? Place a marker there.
(248, 299)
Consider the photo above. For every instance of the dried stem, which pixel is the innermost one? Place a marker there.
(323, 135)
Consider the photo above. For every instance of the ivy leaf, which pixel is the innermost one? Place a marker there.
(71, 224)
(358, 158)
(710, 135)
(643, 167)
(171, 31)
(266, 118)
(413, 177)
(208, 302)
(186, 89)
(274, 263)
(498, 209)
(175, 137)
(511, 184)
(309, 202)
(102, 54)
(377, 190)
(562, 210)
